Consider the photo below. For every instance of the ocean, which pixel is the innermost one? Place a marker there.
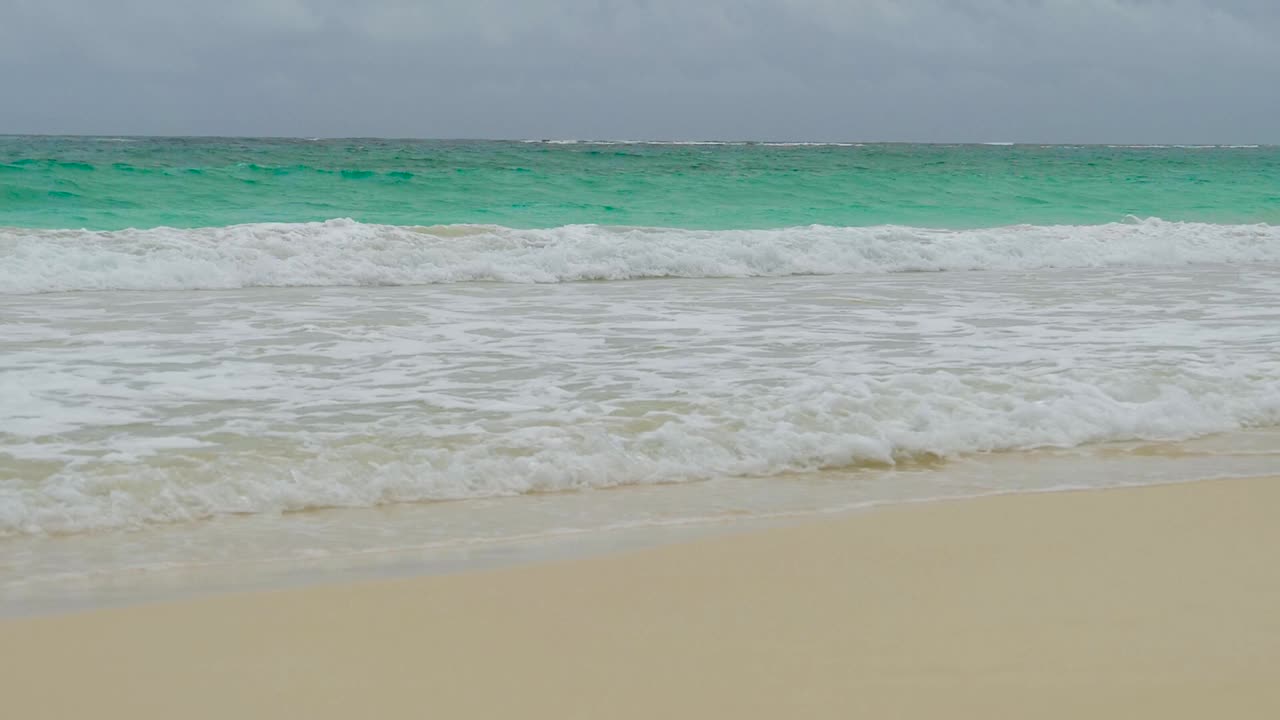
(264, 359)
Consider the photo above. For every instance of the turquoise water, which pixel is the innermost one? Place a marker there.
(115, 183)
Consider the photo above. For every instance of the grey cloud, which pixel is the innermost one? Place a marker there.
(945, 70)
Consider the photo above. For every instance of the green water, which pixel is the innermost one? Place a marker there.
(112, 183)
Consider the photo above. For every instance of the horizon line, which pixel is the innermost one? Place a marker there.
(648, 141)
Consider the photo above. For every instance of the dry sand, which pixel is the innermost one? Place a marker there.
(1158, 602)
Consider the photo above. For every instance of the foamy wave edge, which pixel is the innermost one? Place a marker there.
(823, 423)
(344, 252)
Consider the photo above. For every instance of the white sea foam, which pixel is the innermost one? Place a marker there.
(812, 144)
(348, 253)
(1185, 147)
(821, 424)
(129, 409)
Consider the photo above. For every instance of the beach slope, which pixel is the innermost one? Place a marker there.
(1157, 602)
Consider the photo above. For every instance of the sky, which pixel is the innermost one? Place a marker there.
(1140, 71)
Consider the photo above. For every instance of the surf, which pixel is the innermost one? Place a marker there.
(347, 253)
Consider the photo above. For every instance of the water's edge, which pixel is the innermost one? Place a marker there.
(1126, 465)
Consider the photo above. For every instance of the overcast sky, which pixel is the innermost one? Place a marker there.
(1159, 71)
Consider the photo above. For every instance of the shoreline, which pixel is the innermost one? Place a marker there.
(116, 568)
(116, 587)
(1128, 602)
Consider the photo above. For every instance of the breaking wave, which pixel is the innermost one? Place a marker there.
(348, 253)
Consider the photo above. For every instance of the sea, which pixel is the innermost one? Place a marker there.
(231, 363)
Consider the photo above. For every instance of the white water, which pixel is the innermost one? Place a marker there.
(160, 429)
(133, 409)
(347, 253)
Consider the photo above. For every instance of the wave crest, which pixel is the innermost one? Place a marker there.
(348, 253)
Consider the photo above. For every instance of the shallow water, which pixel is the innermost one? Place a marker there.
(148, 431)
(52, 574)
(130, 409)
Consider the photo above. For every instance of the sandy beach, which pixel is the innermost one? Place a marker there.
(1154, 602)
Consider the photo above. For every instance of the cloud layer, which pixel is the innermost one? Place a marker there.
(930, 70)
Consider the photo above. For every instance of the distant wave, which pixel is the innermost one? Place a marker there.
(764, 143)
(1188, 147)
(349, 253)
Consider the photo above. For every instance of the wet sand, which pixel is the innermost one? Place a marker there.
(1158, 602)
